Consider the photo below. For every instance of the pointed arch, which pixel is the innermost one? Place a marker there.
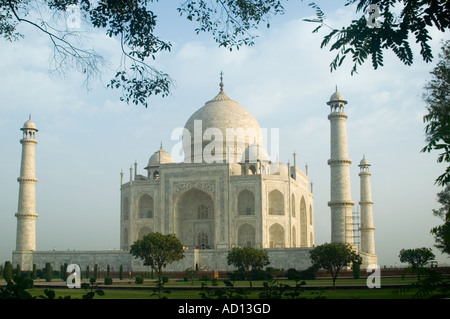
(125, 239)
(246, 202)
(202, 239)
(246, 236)
(276, 236)
(276, 203)
(125, 208)
(303, 224)
(194, 217)
(144, 231)
(293, 237)
(146, 206)
(293, 205)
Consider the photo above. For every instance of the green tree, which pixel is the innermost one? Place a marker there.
(333, 257)
(190, 274)
(18, 271)
(64, 272)
(385, 25)
(95, 272)
(442, 233)
(48, 272)
(61, 270)
(8, 271)
(121, 272)
(34, 273)
(437, 98)
(158, 251)
(417, 258)
(133, 24)
(248, 260)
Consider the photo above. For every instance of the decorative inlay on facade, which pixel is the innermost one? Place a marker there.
(21, 179)
(28, 140)
(338, 115)
(25, 215)
(339, 161)
(341, 203)
(207, 186)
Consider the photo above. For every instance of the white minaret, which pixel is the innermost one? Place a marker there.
(26, 212)
(340, 203)
(367, 228)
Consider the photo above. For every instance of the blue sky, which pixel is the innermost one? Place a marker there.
(86, 137)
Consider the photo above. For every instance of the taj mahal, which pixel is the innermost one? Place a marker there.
(227, 192)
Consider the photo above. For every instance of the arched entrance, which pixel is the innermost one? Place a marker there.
(246, 236)
(194, 219)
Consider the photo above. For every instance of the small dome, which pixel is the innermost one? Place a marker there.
(160, 157)
(337, 97)
(364, 162)
(255, 153)
(29, 125)
(278, 168)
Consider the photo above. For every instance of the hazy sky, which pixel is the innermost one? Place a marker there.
(86, 137)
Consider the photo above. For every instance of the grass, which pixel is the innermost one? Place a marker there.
(317, 288)
(195, 294)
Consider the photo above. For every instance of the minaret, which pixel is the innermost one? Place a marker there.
(340, 203)
(26, 213)
(367, 228)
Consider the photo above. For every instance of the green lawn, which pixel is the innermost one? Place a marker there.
(339, 293)
(192, 294)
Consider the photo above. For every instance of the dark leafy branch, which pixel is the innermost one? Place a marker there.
(65, 53)
(133, 23)
(362, 41)
(230, 21)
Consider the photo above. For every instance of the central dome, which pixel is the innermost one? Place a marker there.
(219, 131)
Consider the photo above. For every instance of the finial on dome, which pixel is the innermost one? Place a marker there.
(221, 81)
(336, 88)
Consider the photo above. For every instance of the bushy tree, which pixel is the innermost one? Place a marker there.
(442, 233)
(8, 271)
(95, 272)
(34, 273)
(417, 258)
(437, 98)
(18, 271)
(248, 260)
(48, 272)
(333, 257)
(158, 250)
